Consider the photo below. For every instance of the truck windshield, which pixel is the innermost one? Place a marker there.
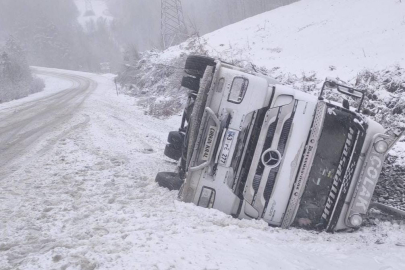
(332, 148)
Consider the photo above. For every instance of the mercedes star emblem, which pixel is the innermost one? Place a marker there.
(271, 158)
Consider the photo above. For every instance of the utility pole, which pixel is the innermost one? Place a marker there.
(89, 8)
(173, 27)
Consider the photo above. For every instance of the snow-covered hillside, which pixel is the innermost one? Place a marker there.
(329, 37)
(302, 43)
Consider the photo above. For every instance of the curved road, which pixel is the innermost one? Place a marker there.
(22, 126)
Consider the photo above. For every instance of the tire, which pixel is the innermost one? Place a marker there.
(191, 83)
(169, 180)
(176, 138)
(173, 151)
(196, 65)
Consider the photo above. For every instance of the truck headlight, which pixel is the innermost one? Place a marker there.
(381, 146)
(356, 220)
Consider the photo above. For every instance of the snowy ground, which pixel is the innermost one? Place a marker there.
(83, 197)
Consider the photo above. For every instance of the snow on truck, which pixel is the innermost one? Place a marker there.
(253, 148)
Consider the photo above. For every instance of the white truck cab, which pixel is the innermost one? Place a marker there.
(253, 148)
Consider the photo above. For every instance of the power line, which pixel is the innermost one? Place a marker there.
(173, 28)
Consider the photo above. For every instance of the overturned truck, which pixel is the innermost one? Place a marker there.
(253, 148)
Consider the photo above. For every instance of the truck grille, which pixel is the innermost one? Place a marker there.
(267, 144)
(281, 148)
(282, 143)
(247, 162)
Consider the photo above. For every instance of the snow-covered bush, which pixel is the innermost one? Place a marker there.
(156, 83)
(155, 79)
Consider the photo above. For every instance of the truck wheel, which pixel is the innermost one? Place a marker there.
(173, 151)
(169, 180)
(176, 138)
(196, 65)
(191, 83)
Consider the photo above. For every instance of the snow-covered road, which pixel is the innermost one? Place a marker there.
(77, 191)
(23, 125)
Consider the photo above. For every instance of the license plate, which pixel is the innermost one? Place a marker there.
(226, 148)
(208, 143)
